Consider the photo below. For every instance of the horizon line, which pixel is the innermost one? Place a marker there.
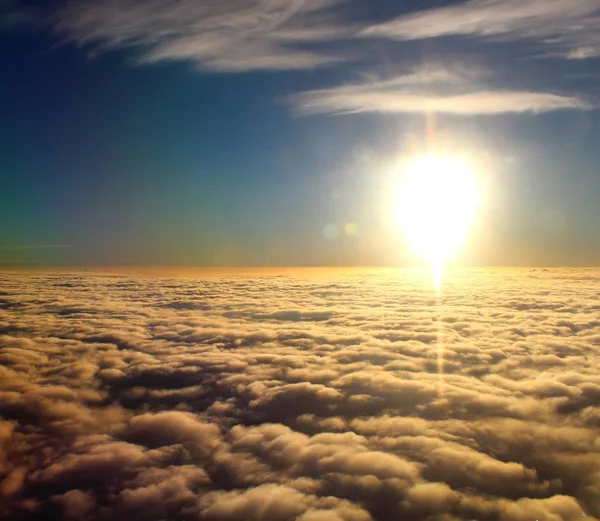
(208, 268)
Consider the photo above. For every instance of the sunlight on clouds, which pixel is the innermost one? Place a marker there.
(209, 397)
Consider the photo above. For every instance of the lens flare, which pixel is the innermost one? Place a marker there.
(436, 199)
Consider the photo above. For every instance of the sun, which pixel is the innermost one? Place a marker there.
(435, 199)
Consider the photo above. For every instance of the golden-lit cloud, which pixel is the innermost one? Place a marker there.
(298, 397)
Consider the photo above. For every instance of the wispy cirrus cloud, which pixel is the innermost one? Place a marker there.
(226, 36)
(279, 35)
(431, 90)
(18, 247)
(568, 27)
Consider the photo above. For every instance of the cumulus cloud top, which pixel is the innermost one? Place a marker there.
(283, 398)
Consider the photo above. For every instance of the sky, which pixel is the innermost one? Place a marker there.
(267, 132)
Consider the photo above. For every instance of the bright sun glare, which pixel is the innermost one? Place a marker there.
(436, 198)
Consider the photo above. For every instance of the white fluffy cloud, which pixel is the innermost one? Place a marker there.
(291, 397)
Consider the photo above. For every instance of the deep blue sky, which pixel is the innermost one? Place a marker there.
(238, 155)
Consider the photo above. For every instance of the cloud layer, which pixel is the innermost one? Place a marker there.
(277, 398)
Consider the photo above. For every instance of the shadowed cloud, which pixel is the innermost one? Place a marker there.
(296, 406)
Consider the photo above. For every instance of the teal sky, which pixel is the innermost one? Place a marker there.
(265, 132)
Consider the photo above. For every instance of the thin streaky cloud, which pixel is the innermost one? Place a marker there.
(35, 246)
(225, 36)
(567, 27)
(431, 91)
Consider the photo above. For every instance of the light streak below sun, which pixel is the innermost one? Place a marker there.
(436, 198)
(437, 271)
